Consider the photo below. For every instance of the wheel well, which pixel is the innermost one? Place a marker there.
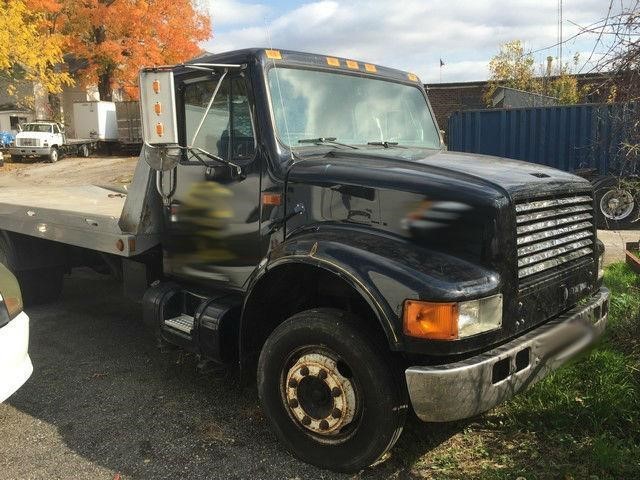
(292, 288)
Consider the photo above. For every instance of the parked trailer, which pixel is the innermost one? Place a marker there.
(95, 120)
(356, 276)
(129, 125)
(584, 139)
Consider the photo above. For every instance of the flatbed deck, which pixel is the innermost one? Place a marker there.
(83, 216)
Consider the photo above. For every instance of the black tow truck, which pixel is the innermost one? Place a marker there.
(296, 215)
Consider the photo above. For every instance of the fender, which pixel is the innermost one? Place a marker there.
(385, 269)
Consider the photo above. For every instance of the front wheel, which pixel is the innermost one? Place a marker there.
(53, 155)
(332, 395)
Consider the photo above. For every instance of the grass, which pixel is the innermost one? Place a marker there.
(582, 422)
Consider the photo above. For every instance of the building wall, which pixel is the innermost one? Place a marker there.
(5, 119)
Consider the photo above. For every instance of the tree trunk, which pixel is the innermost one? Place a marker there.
(104, 86)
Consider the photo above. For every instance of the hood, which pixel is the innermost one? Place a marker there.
(415, 170)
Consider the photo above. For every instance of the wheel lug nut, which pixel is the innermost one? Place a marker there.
(324, 425)
(293, 403)
(336, 392)
(293, 383)
(304, 371)
(336, 413)
(306, 421)
(322, 374)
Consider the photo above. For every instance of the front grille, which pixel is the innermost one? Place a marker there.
(28, 142)
(553, 233)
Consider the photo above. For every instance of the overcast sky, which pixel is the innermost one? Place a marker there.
(407, 34)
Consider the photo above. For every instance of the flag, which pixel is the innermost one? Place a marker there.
(441, 63)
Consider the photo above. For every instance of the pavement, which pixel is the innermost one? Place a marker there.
(105, 403)
(614, 243)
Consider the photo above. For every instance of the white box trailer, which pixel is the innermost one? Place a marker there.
(95, 120)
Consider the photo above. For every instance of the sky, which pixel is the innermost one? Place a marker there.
(411, 35)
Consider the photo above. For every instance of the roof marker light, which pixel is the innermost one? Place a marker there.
(273, 54)
(412, 76)
(370, 68)
(353, 64)
(159, 129)
(334, 62)
(156, 86)
(157, 108)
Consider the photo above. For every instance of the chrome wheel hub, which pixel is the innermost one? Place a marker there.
(617, 204)
(318, 395)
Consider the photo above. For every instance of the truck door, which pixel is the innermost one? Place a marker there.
(214, 220)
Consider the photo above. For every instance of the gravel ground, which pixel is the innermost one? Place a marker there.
(104, 400)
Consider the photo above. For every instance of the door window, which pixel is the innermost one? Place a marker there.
(227, 130)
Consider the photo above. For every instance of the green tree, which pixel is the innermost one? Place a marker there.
(511, 67)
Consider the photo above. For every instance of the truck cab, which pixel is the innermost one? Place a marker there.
(42, 139)
(297, 216)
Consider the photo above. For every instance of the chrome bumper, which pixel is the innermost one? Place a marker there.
(463, 389)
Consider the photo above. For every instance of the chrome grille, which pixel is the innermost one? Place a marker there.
(27, 142)
(553, 232)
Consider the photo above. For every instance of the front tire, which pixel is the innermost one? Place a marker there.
(54, 155)
(332, 395)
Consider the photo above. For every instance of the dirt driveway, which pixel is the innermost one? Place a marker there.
(69, 171)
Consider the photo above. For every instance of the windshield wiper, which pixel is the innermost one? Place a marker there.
(330, 140)
(385, 144)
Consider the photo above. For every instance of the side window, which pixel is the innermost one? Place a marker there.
(56, 129)
(227, 131)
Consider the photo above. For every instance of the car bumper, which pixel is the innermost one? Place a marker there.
(29, 150)
(463, 389)
(15, 364)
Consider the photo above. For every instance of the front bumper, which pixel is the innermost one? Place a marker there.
(463, 389)
(41, 151)
(15, 364)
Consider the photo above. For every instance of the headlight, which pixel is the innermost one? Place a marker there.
(10, 296)
(452, 321)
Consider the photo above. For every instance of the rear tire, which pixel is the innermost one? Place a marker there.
(39, 285)
(16, 158)
(332, 395)
(42, 285)
(84, 151)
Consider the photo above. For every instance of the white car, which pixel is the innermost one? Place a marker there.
(15, 364)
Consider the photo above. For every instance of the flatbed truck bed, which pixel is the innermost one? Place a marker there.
(93, 217)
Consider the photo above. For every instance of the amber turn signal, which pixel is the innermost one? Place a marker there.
(435, 321)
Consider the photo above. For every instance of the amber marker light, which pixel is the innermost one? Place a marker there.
(370, 68)
(156, 86)
(157, 108)
(159, 129)
(334, 62)
(434, 321)
(412, 76)
(353, 64)
(273, 54)
(274, 199)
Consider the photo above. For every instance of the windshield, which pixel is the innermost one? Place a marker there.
(37, 127)
(310, 104)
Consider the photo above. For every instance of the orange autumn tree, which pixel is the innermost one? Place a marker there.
(113, 39)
